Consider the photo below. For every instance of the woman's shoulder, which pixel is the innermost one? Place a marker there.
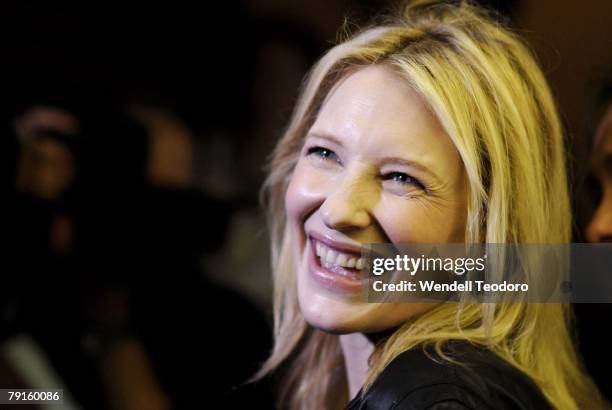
(420, 379)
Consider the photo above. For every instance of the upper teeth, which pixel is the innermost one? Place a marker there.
(338, 258)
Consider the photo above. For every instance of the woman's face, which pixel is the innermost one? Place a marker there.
(600, 227)
(375, 167)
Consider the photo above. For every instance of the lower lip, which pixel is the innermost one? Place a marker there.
(338, 279)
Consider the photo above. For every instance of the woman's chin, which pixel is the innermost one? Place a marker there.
(341, 311)
(325, 315)
(335, 316)
(328, 325)
(341, 326)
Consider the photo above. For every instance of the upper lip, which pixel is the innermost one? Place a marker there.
(340, 246)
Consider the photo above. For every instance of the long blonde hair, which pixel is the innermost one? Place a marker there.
(491, 97)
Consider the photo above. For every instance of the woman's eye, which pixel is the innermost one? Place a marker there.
(404, 179)
(323, 153)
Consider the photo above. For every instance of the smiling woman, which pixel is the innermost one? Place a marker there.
(374, 156)
(435, 127)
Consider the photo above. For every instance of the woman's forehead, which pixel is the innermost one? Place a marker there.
(375, 109)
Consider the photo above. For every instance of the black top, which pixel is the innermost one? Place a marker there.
(419, 379)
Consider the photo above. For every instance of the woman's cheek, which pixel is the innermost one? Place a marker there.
(398, 220)
(406, 221)
(305, 193)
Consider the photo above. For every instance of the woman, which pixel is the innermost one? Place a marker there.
(598, 189)
(434, 127)
(600, 227)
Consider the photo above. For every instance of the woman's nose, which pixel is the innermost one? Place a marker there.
(600, 227)
(346, 206)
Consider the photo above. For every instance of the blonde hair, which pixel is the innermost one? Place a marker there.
(491, 97)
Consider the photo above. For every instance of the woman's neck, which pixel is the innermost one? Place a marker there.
(356, 348)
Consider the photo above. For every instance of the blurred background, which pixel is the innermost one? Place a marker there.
(137, 271)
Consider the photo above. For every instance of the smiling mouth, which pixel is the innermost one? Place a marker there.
(333, 258)
(335, 267)
(335, 275)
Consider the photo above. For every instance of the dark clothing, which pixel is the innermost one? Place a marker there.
(419, 380)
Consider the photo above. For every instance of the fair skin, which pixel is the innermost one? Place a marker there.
(376, 167)
(600, 226)
(356, 349)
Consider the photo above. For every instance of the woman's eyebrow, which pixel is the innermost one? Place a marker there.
(409, 163)
(325, 136)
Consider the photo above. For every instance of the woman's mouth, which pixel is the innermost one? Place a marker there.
(332, 258)
(336, 269)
